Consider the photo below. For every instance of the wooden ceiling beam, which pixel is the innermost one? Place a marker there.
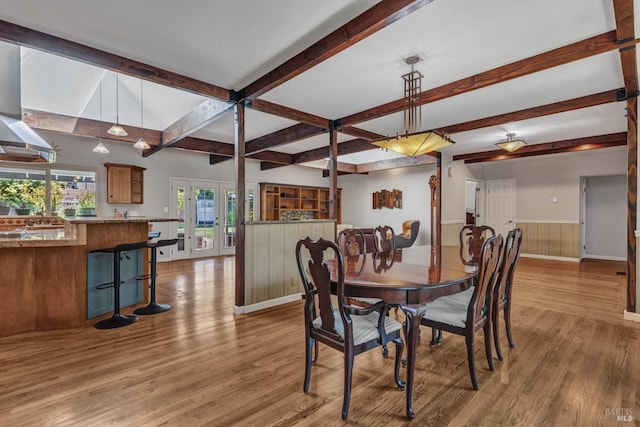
(624, 14)
(27, 37)
(573, 52)
(542, 110)
(204, 114)
(344, 148)
(288, 113)
(276, 157)
(400, 162)
(281, 137)
(566, 146)
(374, 19)
(84, 127)
(206, 146)
(361, 133)
(214, 159)
(343, 168)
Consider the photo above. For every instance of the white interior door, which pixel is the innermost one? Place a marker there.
(500, 202)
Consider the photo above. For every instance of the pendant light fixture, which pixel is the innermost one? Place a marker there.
(512, 143)
(141, 142)
(116, 129)
(413, 141)
(100, 148)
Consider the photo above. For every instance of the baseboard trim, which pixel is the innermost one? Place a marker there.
(555, 258)
(244, 309)
(605, 258)
(634, 317)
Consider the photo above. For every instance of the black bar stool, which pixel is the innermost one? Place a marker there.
(117, 320)
(153, 307)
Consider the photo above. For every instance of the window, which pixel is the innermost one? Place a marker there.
(41, 190)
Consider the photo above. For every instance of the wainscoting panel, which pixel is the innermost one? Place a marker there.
(551, 239)
(451, 233)
(271, 271)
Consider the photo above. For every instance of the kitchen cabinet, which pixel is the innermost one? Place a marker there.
(125, 183)
(281, 202)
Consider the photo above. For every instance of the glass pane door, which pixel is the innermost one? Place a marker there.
(179, 229)
(206, 235)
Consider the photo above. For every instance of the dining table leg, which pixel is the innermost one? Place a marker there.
(411, 335)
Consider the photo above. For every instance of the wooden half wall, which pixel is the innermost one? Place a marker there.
(271, 273)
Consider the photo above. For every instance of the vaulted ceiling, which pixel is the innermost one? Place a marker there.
(555, 73)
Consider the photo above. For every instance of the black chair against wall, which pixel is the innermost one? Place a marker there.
(409, 234)
(117, 320)
(153, 307)
(463, 316)
(384, 238)
(503, 286)
(472, 238)
(351, 334)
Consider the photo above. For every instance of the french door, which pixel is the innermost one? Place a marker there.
(206, 212)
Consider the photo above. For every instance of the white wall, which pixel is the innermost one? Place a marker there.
(357, 193)
(539, 179)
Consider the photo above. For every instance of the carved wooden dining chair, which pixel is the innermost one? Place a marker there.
(351, 242)
(346, 328)
(384, 238)
(464, 316)
(472, 238)
(503, 286)
(353, 245)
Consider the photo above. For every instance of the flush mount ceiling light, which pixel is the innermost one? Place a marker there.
(512, 143)
(141, 142)
(116, 129)
(100, 148)
(414, 142)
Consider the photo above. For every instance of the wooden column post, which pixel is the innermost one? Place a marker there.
(240, 197)
(333, 171)
(632, 180)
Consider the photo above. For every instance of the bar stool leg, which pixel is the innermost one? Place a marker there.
(153, 307)
(117, 319)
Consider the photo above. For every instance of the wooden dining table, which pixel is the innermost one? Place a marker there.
(408, 278)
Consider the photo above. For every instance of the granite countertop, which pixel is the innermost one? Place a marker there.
(24, 237)
(114, 220)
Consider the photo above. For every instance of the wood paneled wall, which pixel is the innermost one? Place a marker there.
(270, 270)
(550, 239)
(451, 233)
(547, 239)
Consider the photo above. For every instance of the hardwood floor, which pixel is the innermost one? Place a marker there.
(575, 361)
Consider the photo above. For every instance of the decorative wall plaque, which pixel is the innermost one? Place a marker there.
(387, 199)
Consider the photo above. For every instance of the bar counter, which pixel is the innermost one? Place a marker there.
(43, 272)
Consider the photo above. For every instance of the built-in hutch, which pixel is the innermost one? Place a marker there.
(281, 202)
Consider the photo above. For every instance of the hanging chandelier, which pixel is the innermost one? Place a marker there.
(414, 142)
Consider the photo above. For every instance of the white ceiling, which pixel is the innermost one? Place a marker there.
(232, 43)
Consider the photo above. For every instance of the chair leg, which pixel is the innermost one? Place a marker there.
(507, 322)
(436, 336)
(495, 316)
(399, 351)
(348, 368)
(309, 344)
(487, 343)
(472, 361)
(383, 340)
(315, 355)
